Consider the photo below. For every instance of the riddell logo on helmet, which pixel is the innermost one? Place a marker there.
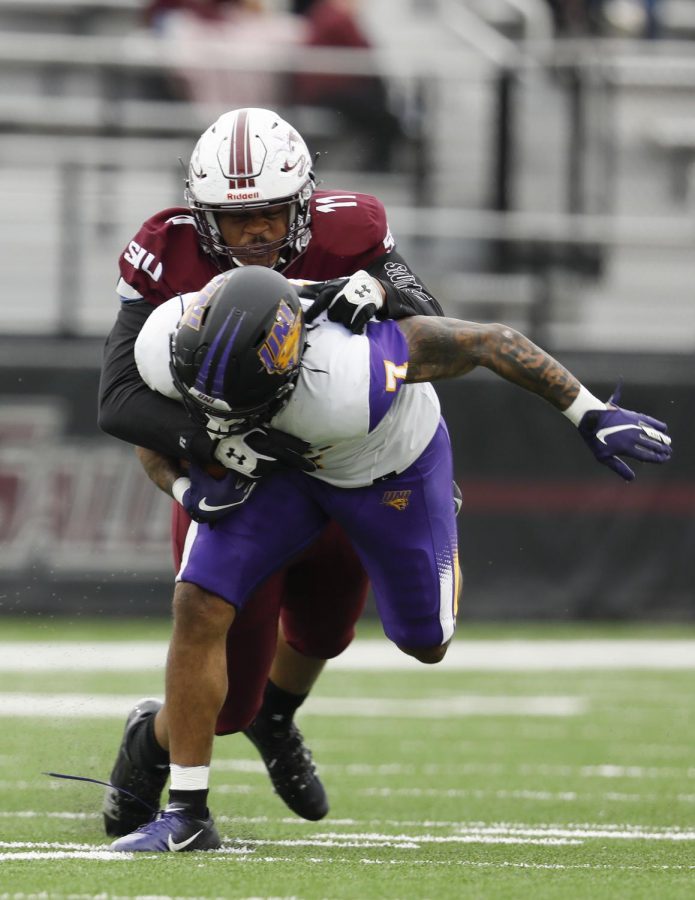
(243, 195)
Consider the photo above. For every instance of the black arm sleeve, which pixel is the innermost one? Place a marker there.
(129, 410)
(406, 295)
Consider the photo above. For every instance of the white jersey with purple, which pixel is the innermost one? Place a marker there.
(350, 402)
(381, 439)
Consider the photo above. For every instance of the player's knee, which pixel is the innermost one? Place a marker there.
(427, 655)
(198, 615)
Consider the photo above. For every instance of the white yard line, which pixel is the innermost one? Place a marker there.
(463, 655)
(463, 831)
(584, 830)
(466, 833)
(361, 770)
(520, 794)
(92, 706)
(212, 856)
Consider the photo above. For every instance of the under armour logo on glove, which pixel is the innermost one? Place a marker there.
(237, 459)
(351, 302)
(263, 451)
(614, 432)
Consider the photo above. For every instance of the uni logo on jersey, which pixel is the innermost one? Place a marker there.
(279, 352)
(396, 499)
(193, 314)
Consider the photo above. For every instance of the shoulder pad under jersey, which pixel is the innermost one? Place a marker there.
(164, 258)
(346, 223)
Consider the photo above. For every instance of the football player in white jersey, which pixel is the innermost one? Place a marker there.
(242, 353)
(251, 198)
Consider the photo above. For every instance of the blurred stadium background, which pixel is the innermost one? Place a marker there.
(544, 178)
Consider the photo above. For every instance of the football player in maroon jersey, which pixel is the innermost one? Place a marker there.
(251, 199)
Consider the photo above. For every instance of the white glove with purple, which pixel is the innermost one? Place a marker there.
(611, 432)
(350, 301)
(207, 499)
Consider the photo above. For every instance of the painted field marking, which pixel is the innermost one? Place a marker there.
(466, 833)
(617, 831)
(553, 796)
(212, 856)
(603, 770)
(61, 706)
(46, 784)
(463, 655)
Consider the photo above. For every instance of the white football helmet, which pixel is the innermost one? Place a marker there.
(249, 159)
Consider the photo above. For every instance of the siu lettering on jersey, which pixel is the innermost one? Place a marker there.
(164, 258)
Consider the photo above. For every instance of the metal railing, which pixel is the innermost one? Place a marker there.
(578, 69)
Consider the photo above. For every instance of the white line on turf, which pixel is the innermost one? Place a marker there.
(212, 856)
(494, 834)
(103, 896)
(361, 770)
(564, 796)
(245, 849)
(477, 655)
(617, 831)
(475, 793)
(61, 706)
(33, 855)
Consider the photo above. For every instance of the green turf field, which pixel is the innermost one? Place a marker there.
(443, 784)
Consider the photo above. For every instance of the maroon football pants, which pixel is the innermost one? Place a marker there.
(318, 597)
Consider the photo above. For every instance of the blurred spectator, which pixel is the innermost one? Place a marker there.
(362, 100)
(606, 18)
(199, 29)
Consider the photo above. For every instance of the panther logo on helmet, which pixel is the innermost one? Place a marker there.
(194, 313)
(279, 352)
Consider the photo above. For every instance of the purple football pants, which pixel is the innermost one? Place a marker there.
(403, 529)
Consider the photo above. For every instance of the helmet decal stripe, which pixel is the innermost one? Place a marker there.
(247, 151)
(240, 159)
(210, 378)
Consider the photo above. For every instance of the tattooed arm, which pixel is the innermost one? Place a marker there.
(444, 348)
(162, 470)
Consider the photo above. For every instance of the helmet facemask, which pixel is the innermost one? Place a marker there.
(288, 248)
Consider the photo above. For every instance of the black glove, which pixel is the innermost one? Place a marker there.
(263, 451)
(350, 301)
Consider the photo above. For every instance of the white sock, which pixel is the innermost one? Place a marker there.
(189, 778)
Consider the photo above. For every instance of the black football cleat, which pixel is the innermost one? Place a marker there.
(172, 831)
(291, 769)
(125, 812)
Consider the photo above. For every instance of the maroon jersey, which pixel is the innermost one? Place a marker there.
(348, 232)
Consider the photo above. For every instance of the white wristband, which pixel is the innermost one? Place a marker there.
(179, 488)
(582, 403)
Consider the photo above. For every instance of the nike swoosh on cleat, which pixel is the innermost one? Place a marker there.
(205, 506)
(603, 433)
(174, 846)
